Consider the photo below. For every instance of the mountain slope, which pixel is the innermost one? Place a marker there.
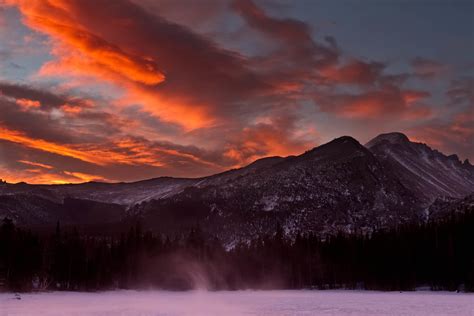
(35, 211)
(126, 194)
(337, 186)
(426, 172)
(445, 207)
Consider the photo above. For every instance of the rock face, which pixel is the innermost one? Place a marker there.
(424, 171)
(447, 206)
(340, 185)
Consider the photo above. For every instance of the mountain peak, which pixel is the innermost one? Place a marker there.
(340, 142)
(393, 138)
(338, 147)
(426, 171)
(343, 141)
(346, 139)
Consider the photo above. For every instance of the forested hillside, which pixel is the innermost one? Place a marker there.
(438, 254)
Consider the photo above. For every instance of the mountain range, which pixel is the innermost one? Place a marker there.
(338, 186)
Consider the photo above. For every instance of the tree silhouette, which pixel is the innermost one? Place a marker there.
(437, 254)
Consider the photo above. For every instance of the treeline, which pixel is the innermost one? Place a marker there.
(439, 255)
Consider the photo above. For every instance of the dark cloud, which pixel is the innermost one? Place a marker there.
(298, 44)
(46, 99)
(451, 136)
(354, 72)
(425, 68)
(461, 92)
(34, 124)
(4, 55)
(189, 13)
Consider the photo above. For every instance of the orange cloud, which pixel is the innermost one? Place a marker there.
(20, 138)
(126, 151)
(168, 107)
(354, 72)
(56, 18)
(146, 153)
(84, 177)
(388, 101)
(27, 175)
(278, 136)
(84, 152)
(70, 109)
(134, 50)
(36, 164)
(164, 81)
(411, 96)
(28, 104)
(82, 53)
(37, 176)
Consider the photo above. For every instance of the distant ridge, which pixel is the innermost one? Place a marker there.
(338, 186)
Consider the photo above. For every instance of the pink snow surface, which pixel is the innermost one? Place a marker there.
(271, 303)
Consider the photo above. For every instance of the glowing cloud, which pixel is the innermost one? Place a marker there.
(130, 89)
(36, 164)
(20, 138)
(27, 104)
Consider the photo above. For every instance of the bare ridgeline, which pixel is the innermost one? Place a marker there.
(391, 215)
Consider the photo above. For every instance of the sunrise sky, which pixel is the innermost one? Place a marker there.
(123, 90)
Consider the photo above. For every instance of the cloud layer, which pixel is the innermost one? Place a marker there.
(137, 89)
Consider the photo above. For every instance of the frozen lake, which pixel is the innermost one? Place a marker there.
(157, 303)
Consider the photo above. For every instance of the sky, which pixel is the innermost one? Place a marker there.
(124, 90)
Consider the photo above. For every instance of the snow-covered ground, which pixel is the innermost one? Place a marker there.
(271, 303)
